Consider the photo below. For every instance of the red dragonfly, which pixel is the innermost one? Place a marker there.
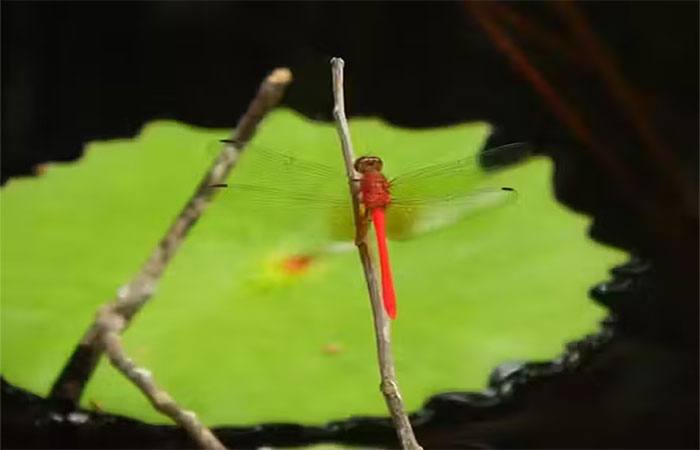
(413, 203)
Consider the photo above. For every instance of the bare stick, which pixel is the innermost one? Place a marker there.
(382, 328)
(131, 297)
(110, 324)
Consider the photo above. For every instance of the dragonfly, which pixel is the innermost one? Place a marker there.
(408, 205)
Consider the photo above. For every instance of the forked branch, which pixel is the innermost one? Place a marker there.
(116, 315)
(111, 323)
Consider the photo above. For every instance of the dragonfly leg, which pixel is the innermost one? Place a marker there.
(363, 226)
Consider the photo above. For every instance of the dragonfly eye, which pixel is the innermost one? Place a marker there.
(368, 164)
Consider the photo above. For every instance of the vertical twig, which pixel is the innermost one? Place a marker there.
(382, 328)
(133, 296)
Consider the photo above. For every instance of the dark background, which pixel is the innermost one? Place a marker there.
(76, 72)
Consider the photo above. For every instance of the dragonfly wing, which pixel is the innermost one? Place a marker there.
(441, 194)
(443, 181)
(342, 222)
(285, 184)
(272, 179)
(409, 220)
(251, 195)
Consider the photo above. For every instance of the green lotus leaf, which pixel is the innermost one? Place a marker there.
(236, 337)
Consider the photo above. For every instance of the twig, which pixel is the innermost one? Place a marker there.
(131, 297)
(382, 328)
(110, 324)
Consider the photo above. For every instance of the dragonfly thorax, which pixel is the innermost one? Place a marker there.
(375, 190)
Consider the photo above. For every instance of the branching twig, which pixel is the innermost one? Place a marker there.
(130, 298)
(110, 324)
(389, 385)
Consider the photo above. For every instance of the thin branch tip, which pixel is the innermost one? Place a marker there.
(281, 75)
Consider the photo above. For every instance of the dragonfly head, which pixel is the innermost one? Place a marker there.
(365, 164)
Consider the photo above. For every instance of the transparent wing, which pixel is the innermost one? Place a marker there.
(432, 197)
(451, 180)
(408, 220)
(272, 178)
(423, 200)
